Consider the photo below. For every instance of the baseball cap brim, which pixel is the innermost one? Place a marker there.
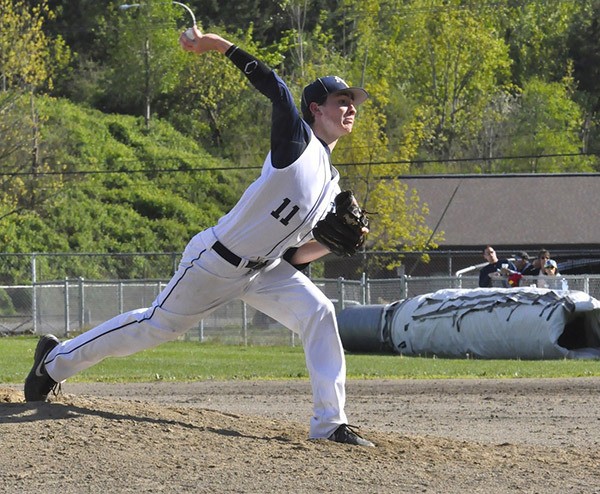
(359, 95)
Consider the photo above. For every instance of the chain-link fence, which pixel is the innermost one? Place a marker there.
(24, 269)
(69, 293)
(71, 306)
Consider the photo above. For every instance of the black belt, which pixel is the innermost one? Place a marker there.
(231, 258)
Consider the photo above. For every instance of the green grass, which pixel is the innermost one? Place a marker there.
(189, 361)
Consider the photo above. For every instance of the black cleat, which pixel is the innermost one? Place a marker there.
(38, 383)
(344, 434)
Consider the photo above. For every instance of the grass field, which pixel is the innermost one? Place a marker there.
(189, 361)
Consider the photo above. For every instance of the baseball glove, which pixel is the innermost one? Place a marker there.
(342, 231)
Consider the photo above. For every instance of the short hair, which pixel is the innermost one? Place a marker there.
(522, 255)
(543, 252)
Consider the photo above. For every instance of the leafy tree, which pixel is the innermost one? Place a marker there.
(146, 59)
(269, 18)
(495, 132)
(400, 222)
(215, 104)
(28, 58)
(547, 121)
(584, 49)
(536, 32)
(90, 29)
(15, 140)
(455, 63)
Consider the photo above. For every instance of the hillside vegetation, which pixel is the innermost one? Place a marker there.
(112, 139)
(121, 188)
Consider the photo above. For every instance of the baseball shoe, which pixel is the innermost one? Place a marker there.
(38, 383)
(344, 434)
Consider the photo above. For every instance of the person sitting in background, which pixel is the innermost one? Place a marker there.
(536, 267)
(548, 277)
(550, 268)
(521, 261)
(495, 269)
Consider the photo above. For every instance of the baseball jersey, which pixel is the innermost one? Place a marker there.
(297, 183)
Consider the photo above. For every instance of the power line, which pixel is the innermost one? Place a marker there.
(466, 160)
(258, 167)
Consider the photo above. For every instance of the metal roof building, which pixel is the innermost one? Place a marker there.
(524, 212)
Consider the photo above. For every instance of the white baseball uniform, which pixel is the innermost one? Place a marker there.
(241, 258)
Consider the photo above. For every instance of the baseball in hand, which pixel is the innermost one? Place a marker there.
(190, 34)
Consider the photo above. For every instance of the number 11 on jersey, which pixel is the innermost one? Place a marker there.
(280, 210)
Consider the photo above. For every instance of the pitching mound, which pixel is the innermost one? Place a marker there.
(180, 438)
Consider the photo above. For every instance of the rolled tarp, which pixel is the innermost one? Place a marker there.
(502, 323)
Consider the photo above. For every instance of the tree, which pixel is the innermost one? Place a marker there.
(547, 121)
(400, 222)
(536, 32)
(28, 62)
(146, 60)
(28, 58)
(584, 49)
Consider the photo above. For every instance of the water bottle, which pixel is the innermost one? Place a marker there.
(564, 285)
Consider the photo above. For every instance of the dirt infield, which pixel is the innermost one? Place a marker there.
(450, 436)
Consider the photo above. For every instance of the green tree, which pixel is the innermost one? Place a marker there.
(537, 32)
(454, 63)
(214, 103)
(146, 59)
(29, 60)
(584, 49)
(547, 121)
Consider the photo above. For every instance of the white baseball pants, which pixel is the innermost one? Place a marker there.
(203, 282)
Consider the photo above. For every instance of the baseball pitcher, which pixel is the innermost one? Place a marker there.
(253, 252)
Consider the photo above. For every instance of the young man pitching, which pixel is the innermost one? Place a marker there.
(251, 253)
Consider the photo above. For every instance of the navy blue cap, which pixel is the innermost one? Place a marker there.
(318, 91)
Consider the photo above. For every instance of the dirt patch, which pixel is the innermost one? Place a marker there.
(451, 436)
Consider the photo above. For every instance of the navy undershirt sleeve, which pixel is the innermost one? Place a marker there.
(290, 134)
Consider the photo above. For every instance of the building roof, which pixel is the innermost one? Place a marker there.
(512, 210)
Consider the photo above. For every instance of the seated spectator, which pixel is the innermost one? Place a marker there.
(495, 269)
(521, 261)
(548, 277)
(536, 267)
(550, 268)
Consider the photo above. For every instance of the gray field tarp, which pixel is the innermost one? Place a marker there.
(527, 323)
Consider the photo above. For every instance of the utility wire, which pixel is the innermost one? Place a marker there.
(258, 167)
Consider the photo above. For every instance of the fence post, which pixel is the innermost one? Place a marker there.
(81, 303)
(67, 324)
(245, 323)
(120, 295)
(341, 293)
(34, 314)
(363, 288)
(403, 286)
(174, 259)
